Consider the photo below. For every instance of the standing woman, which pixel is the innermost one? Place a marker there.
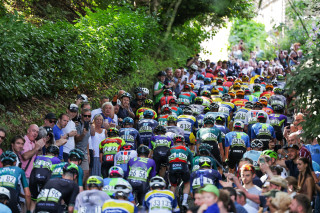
(98, 133)
(306, 183)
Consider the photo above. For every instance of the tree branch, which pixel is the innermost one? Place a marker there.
(294, 9)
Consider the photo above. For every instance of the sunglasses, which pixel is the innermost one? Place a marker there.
(52, 121)
(3, 137)
(87, 116)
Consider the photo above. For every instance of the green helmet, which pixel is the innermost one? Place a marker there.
(95, 180)
(270, 153)
(172, 118)
(71, 167)
(208, 120)
(78, 153)
(8, 156)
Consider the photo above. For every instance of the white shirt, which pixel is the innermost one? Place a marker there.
(249, 208)
(95, 142)
(95, 112)
(70, 143)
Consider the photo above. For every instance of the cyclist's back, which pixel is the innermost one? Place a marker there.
(122, 158)
(203, 177)
(131, 136)
(145, 128)
(166, 200)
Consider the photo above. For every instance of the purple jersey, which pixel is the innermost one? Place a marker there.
(160, 140)
(141, 169)
(281, 118)
(45, 161)
(145, 128)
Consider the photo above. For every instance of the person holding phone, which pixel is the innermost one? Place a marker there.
(82, 141)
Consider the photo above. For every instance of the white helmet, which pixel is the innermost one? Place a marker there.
(145, 91)
(4, 191)
(194, 67)
(157, 181)
(116, 170)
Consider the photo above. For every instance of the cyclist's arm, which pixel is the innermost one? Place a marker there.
(72, 200)
(227, 152)
(27, 197)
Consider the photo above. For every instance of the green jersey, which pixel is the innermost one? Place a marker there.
(57, 171)
(209, 134)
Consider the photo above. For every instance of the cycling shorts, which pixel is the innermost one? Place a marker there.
(105, 166)
(38, 178)
(14, 202)
(50, 207)
(140, 188)
(161, 155)
(178, 170)
(235, 156)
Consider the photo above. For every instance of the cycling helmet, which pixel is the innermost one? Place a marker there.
(167, 92)
(166, 109)
(97, 181)
(240, 75)
(191, 85)
(187, 87)
(232, 94)
(8, 156)
(148, 102)
(256, 143)
(194, 67)
(247, 90)
(240, 92)
(126, 147)
(236, 85)
(187, 110)
(200, 77)
(220, 74)
(270, 153)
(122, 189)
(160, 129)
(204, 148)
(269, 87)
(148, 114)
(178, 139)
(162, 73)
(248, 104)
(238, 80)
(145, 91)
(112, 132)
(53, 150)
(70, 167)
(204, 162)
(214, 91)
(206, 93)
(198, 101)
(77, 153)
(264, 100)
(245, 78)
(206, 109)
(143, 150)
(127, 121)
(137, 90)
(126, 94)
(208, 120)
(220, 81)
(261, 115)
(207, 80)
(257, 81)
(274, 83)
(220, 118)
(238, 124)
(230, 78)
(278, 91)
(256, 87)
(257, 105)
(172, 118)
(116, 170)
(4, 193)
(278, 107)
(280, 77)
(261, 79)
(173, 101)
(226, 97)
(214, 105)
(157, 182)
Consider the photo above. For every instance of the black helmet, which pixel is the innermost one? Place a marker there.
(126, 94)
(208, 120)
(77, 153)
(178, 139)
(112, 132)
(226, 96)
(162, 73)
(198, 100)
(160, 129)
(137, 90)
(143, 150)
(187, 110)
(204, 148)
(220, 118)
(248, 104)
(8, 156)
(214, 105)
(53, 150)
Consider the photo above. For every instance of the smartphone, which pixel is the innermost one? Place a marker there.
(185, 79)
(86, 125)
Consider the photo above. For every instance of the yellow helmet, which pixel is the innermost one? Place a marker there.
(240, 92)
(237, 86)
(245, 78)
(232, 94)
(238, 81)
(214, 91)
(192, 85)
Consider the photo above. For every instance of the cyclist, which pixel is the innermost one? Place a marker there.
(268, 93)
(205, 150)
(274, 156)
(141, 169)
(4, 199)
(255, 152)
(257, 108)
(215, 95)
(250, 97)
(241, 113)
(229, 82)
(175, 109)
(76, 157)
(267, 108)
(198, 105)
(278, 98)
(226, 102)
(257, 88)
(168, 95)
(240, 100)
(92, 199)
(108, 149)
(58, 189)
(120, 203)
(122, 158)
(116, 176)
(198, 83)
(237, 143)
(277, 114)
(212, 136)
(148, 104)
(188, 123)
(160, 146)
(223, 90)
(172, 128)
(41, 171)
(165, 112)
(206, 87)
(146, 127)
(180, 156)
(205, 175)
(159, 199)
(129, 134)
(10, 177)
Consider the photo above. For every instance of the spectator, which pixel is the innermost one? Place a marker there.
(108, 114)
(81, 98)
(242, 200)
(291, 164)
(125, 109)
(293, 56)
(177, 81)
(159, 87)
(31, 148)
(2, 138)
(82, 141)
(70, 130)
(170, 79)
(50, 120)
(314, 149)
(225, 203)
(59, 136)
(98, 133)
(103, 99)
(85, 105)
(292, 186)
(233, 196)
(300, 204)
(305, 180)
(17, 143)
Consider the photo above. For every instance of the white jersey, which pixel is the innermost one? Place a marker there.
(253, 114)
(90, 201)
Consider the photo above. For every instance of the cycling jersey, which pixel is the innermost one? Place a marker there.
(222, 89)
(197, 86)
(160, 141)
(254, 156)
(216, 114)
(173, 131)
(267, 94)
(140, 111)
(229, 105)
(122, 158)
(90, 201)
(196, 163)
(186, 97)
(200, 120)
(239, 102)
(118, 206)
(253, 114)
(188, 123)
(205, 87)
(57, 171)
(257, 94)
(241, 114)
(228, 84)
(251, 98)
(56, 190)
(204, 177)
(145, 128)
(268, 110)
(197, 108)
(262, 131)
(211, 134)
(160, 144)
(161, 201)
(130, 136)
(216, 98)
(10, 178)
(165, 100)
(176, 110)
(162, 120)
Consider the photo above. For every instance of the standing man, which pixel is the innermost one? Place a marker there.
(59, 136)
(82, 141)
(70, 130)
(98, 111)
(50, 120)
(170, 82)
(125, 109)
(159, 87)
(31, 148)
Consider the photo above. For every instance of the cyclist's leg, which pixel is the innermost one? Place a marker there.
(105, 166)
(185, 176)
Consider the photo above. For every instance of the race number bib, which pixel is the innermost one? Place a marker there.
(186, 126)
(49, 195)
(160, 203)
(110, 149)
(144, 129)
(138, 174)
(197, 182)
(8, 180)
(181, 156)
(42, 164)
(240, 116)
